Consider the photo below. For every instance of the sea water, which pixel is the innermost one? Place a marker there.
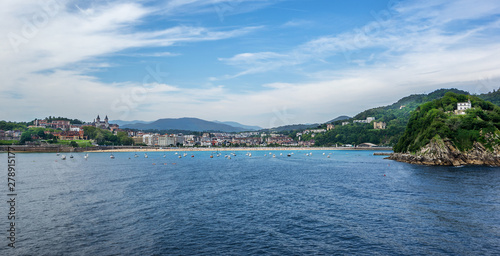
(351, 203)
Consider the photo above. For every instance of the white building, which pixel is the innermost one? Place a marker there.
(462, 106)
(366, 121)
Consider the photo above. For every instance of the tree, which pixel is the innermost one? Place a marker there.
(73, 144)
(25, 136)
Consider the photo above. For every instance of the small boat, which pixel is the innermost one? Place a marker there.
(63, 157)
(228, 157)
(112, 156)
(70, 156)
(192, 155)
(180, 156)
(211, 156)
(250, 154)
(57, 154)
(289, 155)
(328, 156)
(164, 155)
(145, 155)
(136, 155)
(274, 156)
(86, 156)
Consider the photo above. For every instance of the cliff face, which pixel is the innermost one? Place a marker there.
(443, 152)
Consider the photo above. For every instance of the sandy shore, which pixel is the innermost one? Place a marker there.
(235, 149)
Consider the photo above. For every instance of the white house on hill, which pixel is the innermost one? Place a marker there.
(462, 106)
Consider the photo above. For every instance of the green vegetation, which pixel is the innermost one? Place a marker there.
(9, 142)
(436, 118)
(105, 137)
(79, 143)
(359, 133)
(71, 121)
(11, 126)
(37, 134)
(396, 117)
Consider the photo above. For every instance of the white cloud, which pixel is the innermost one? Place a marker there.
(50, 46)
(413, 49)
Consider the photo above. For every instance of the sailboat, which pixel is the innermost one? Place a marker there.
(145, 155)
(112, 156)
(71, 156)
(86, 156)
(63, 157)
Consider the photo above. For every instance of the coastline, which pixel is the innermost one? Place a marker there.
(24, 149)
(235, 149)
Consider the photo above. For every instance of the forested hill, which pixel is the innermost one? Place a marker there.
(437, 120)
(396, 117)
(403, 107)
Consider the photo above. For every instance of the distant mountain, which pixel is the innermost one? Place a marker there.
(340, 118)
(292, 127)
(493, 97)
(121, 122)
(187, 124)
(246, 127)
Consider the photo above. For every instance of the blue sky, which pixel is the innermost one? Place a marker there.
(257, 62)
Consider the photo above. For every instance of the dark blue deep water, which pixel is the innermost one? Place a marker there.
(352, 203)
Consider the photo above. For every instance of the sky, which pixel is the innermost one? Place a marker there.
(258, 62)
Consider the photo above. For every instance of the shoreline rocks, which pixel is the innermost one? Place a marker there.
(444, 153)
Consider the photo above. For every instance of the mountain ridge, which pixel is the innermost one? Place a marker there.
(185, 123)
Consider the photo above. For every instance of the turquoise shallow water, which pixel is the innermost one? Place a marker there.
(352, 203)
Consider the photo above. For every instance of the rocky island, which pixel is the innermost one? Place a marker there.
(453, 130)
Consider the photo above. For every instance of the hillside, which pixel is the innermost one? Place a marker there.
(396, 117)
(437, 135)
(340, 118)
(238, 125)
(436, 118)
(187, 124)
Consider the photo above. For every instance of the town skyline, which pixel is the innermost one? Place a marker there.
(259, 62)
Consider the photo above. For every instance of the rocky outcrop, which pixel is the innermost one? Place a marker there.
(443, 152)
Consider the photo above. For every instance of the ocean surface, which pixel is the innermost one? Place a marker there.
(352, 203)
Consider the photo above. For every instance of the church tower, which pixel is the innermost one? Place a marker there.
(106, 122)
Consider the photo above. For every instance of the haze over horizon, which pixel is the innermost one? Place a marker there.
(257, 62)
